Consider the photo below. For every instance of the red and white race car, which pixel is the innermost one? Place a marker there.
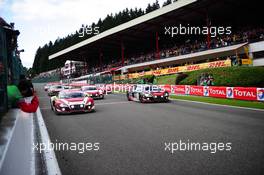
(107, 89)
(93, 91)
(147, 93)
(48, 85)
(71, 101)
(55, 89)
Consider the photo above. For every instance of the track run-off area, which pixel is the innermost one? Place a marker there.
(144, 139)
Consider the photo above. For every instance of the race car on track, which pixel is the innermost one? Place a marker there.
(55, 89)
(93, 92)
(144, 94)
(48, 85)
(105, 88)
(71, 101)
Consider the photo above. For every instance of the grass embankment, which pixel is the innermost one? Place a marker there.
(167, 79)
(221, 101)
(230, 76)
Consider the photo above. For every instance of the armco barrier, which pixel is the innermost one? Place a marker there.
(239, 93)
(18, 133)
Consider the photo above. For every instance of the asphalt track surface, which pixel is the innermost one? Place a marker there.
(132, 138)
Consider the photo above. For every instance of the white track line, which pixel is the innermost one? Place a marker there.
(238, 107)
(50, 159)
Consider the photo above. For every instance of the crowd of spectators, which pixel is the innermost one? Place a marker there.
(191, 46)
(201, 45)
(49, 76)
(205, 79)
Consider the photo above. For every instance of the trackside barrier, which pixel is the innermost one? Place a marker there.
(239, 93)
(17, 137)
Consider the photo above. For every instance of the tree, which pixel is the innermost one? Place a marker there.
(41, 61)
(168, 2)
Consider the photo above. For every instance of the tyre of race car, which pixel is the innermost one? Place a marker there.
(166, 100)
(141, 98)
(128, 98)
(55, 111)
(51, 107)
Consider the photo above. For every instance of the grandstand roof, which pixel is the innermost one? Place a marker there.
(125, 26)
(140, 32)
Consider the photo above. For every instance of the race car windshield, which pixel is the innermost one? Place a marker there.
(152, 89)
(71, 95)
(57, 87)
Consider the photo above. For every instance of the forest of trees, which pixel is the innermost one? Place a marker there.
(43, 64)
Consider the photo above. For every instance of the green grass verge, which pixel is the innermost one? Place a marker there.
(166, 79)
(230, 102)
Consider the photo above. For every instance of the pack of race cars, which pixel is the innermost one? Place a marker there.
(76, 98)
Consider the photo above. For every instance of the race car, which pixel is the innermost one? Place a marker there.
(105, 88)
(71, 101)
(93, 92)
(149, 93)
(54, 90)
(48, 85)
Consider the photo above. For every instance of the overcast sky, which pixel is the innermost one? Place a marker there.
(40, 21)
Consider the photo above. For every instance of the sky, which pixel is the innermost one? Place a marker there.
(41, 21)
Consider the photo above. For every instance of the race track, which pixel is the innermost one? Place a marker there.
(132, 138)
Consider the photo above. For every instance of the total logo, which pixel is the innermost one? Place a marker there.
(260, 94)
(229, 92)
(206, 91)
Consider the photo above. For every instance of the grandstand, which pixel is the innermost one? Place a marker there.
(142, 44)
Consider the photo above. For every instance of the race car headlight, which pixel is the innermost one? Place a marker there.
(89, 103)
(63, 105)
(148, 95)
(81, 106)
(166, 94)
